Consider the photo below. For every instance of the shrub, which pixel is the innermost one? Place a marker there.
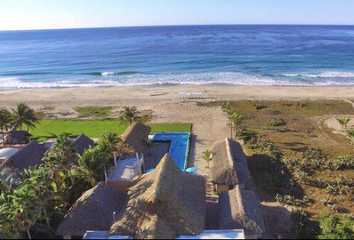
(335, 227)
(276, 122)
(260, 106)
(342, 163)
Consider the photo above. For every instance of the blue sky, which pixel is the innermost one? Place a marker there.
(50, 14)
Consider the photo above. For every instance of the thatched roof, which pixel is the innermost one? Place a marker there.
(82, 143)
(240, 209)
(134, 137)
(16, 137)
(165, 203)
(29, 156)
(93, 211)
(229, 164)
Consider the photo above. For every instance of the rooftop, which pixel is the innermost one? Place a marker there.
(126, 169)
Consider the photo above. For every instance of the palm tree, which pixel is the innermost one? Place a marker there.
(90, 169)
(6, 121)
(343, 122)
(24, 115)
(236, 120)
(65, 147)
(350, 135)
(229, 112)
(129, 115)
(207, 156)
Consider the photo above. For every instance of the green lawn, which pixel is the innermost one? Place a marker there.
(94, 129)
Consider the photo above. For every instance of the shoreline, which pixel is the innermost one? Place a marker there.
(64, 100)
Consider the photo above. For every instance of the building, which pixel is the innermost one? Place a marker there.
(240, 209)
(17, 137)
(131, 164)
(29, 156)
(229, 166)
(133, 139)
(6, 153)
(165, 203)
(94, 210)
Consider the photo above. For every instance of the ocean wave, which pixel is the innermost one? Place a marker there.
(104, 74)
(322, 75)
(225, 78)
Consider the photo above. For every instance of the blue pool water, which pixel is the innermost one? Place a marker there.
(179, 146)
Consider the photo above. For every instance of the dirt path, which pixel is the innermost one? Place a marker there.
(334, 124)
(209, 126)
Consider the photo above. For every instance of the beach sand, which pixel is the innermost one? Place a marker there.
(168, 104)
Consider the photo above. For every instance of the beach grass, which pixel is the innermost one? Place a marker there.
(95, 128)
(94, 111)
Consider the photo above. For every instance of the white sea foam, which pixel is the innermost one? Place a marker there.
(322, 75)
(226, 78)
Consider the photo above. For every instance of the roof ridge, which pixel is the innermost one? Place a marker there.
(240, 200)
(229, 153)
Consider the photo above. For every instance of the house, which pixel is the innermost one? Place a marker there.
(240, 209)
(229, 166)
(93, 211)
(134, 137)
(16, 137)
(132, 163)
(29, 156)
(81, 144)
(5, 153)
(165, 203)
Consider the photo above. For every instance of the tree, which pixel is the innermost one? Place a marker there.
(207, 156)
(343, 122)
(228, 111)
(90, 169)
(6, 121)
(24, 115)
(129, 115)
(236, 120)
(350, 135)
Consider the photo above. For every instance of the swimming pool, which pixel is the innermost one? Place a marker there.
(179, 148)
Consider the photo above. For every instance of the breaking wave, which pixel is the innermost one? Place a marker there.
(225, 78)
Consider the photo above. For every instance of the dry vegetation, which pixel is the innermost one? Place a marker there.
(297, 160)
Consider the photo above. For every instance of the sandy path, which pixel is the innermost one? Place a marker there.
(334, 124)
(209, 125)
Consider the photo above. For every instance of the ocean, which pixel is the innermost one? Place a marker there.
(251, 55)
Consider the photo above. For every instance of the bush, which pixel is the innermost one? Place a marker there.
(342, 163)
(335, 227)
(259, 106)
(276, 122)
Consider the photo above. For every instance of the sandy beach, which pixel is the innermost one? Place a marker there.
(147, 97)
(172, 104)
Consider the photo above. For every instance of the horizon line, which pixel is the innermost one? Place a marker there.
(173, 25)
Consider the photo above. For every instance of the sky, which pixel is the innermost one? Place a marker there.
(53, 14)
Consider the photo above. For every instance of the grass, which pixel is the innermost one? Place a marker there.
(304, 130)
(93, 111)
(94, 129)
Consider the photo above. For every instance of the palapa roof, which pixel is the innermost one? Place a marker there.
(163, 204)
(29, 156)
(240, 209)
(134, 137)
(16, 137)
(93, 211)
(229, 164)
(82, 143)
